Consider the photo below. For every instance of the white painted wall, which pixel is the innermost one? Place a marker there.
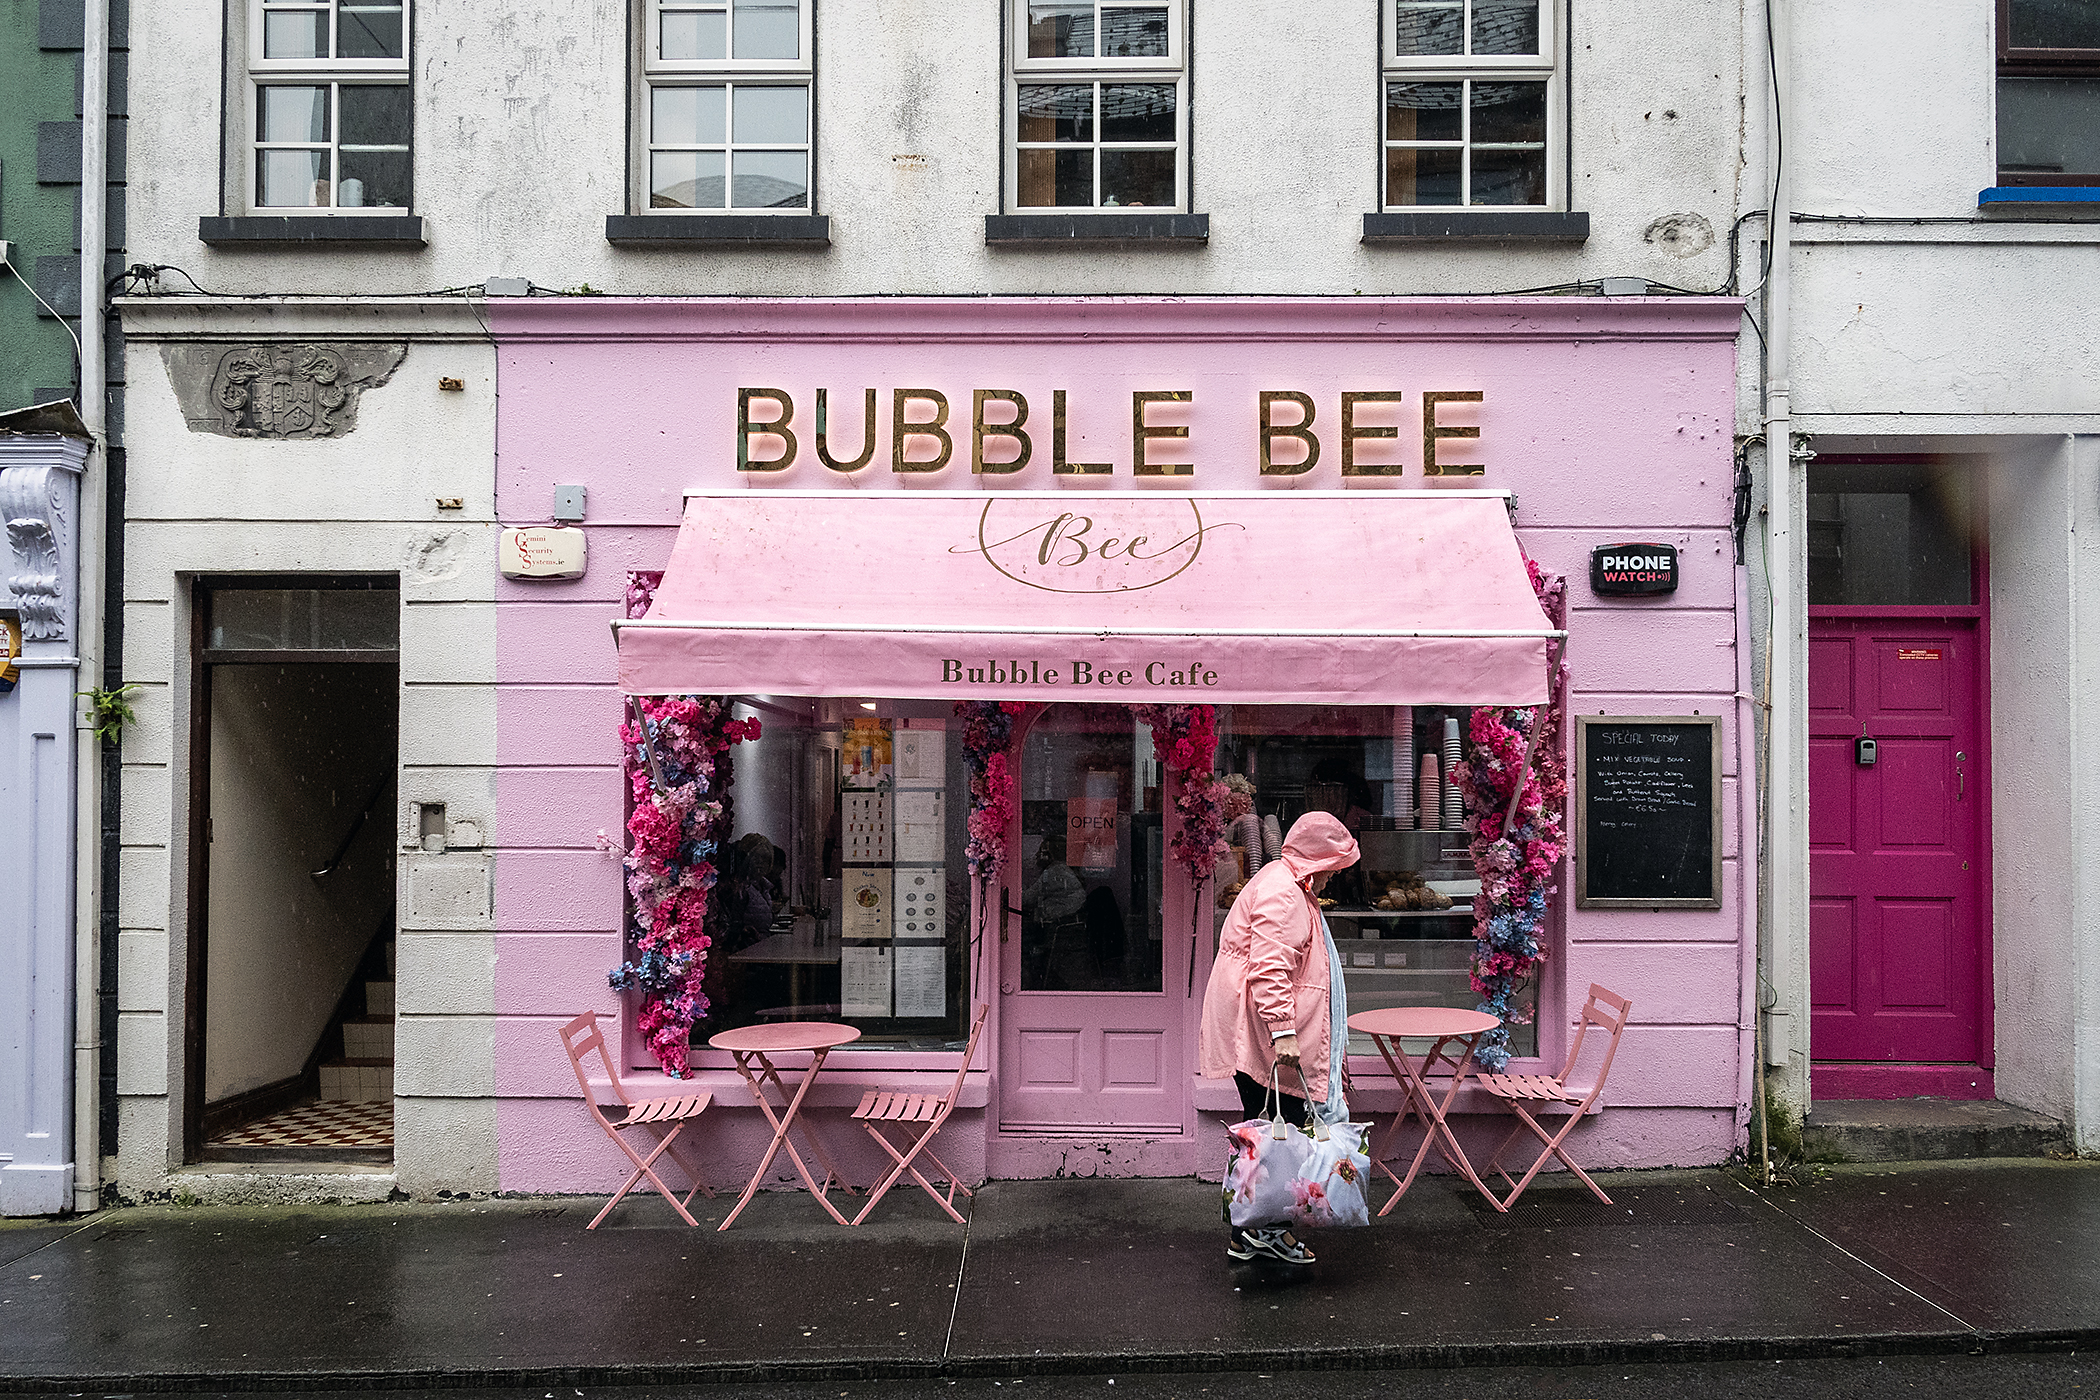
(522, 135)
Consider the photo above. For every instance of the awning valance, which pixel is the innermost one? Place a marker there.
(1284, 597)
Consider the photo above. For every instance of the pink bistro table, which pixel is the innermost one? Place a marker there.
(1441, 1025)
(753, 1047)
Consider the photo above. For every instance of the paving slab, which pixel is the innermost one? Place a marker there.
(2004, 1245)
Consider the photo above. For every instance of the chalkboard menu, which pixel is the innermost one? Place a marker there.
(1648, 811)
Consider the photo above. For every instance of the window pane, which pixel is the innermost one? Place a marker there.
(1137, 33)
(1056, 178)
(1509, 177)
(691, 34)
(293, 34)
(1509, 112)
(292, 179)
(686, 116)
(1423, 111)
(771, 116)
(373, 179)
(1137, 111)
(1415, 176)
(303, 619)
(1059, 112)
(1131, 178)
(768, 29)
(368, 31)
(1060, 29)
(1888, 534)
(769, 180)
(1505, 26)
(2055, 24)
(294, 113)
(374, 114)
(685, 180)
(2049, 125)
(1428, 27)
(1090, 859)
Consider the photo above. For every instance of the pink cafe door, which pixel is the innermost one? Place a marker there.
(1092, 1017)
(1898, 923)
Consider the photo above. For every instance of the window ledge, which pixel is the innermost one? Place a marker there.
(1478, 226)
(718, 230)
(377, 230)
(1053, 230)
(2040, 201)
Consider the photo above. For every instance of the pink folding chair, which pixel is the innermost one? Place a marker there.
(925, 1113)
(580, 1037)
(1605, 1010)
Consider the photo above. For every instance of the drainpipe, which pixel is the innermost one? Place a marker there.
(1785, 806)
(94, 498)
(1748, 1052)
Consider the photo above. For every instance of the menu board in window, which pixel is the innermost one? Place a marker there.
(1648, 811)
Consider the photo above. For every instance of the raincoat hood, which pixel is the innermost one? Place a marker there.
(1318, 841)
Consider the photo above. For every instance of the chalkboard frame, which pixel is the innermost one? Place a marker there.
(1583, 898)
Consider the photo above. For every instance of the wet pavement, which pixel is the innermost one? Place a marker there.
(1054, 1277)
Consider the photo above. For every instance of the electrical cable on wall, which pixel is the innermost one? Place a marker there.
(6, 261)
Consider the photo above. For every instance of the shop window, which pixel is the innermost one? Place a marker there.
(725, 121)
(844, 894)
(328, 111)
(1472, 104)
(1098, 105)
(1403, 915)
(1890, 534)
(2048, 92)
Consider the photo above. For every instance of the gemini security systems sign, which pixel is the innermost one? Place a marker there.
(1633, 568)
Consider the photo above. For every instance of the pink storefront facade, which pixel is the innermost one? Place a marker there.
(1304, 512)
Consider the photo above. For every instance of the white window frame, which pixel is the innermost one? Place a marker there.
(729, 74)
(1546, 65)
(1023, 71)
(333, 73)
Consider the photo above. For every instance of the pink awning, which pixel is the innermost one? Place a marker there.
(1299, 597)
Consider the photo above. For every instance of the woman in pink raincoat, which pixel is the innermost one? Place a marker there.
(1273, 993)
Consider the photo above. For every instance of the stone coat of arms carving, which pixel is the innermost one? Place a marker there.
(290, 390)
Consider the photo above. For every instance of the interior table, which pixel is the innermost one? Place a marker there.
(753, 1048)
(1445, 1027)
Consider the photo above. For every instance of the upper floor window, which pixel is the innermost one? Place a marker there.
(329, 112)
(1098, 105)
(1472, 104)
(725, 121)
(2049, 92)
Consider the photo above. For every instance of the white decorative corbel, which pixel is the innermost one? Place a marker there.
(39, 486)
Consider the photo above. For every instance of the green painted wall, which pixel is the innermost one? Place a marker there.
(35, 86)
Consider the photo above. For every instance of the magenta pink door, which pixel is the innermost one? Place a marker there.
(1898, 917)
(1093, 989)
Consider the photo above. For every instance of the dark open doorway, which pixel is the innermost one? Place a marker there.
(295, 731)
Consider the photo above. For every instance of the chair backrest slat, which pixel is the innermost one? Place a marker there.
(1608, 1011)
(584, 1036)
(984, 1011)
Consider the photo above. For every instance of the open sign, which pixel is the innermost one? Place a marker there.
(1633, 568)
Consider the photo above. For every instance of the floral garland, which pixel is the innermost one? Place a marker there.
(1186, 739)
(1516, 866)
(678, 789)
(988, 732)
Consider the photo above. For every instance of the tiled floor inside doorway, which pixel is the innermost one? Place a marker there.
(324, 1131)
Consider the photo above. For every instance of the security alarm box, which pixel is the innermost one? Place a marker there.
(542, 551)
(1633, 568)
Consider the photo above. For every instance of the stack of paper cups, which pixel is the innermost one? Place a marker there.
(1454, 800)
(1429, 794)
(1403, 789)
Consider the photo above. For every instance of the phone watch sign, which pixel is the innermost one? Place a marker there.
(1633, 568)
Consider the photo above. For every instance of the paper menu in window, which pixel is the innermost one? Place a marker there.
(922, 755)
(920, 826)
(921, 903)
(867, 904)
(866, 754)
(864, 981)
(922, 982)
(865, 818)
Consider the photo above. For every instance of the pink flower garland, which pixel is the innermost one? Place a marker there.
(672, 834)
(1186, 739)
(1516, 866)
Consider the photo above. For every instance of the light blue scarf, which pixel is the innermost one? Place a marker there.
(1335, 1110)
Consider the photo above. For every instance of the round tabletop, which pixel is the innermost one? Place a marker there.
(786, 1035)
(1422, 1022)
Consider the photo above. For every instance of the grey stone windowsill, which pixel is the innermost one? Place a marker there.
(1053, 230)
(1478, 225)
(300, 230)
(718, 230)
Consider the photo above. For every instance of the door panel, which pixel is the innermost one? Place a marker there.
(1897, 927)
